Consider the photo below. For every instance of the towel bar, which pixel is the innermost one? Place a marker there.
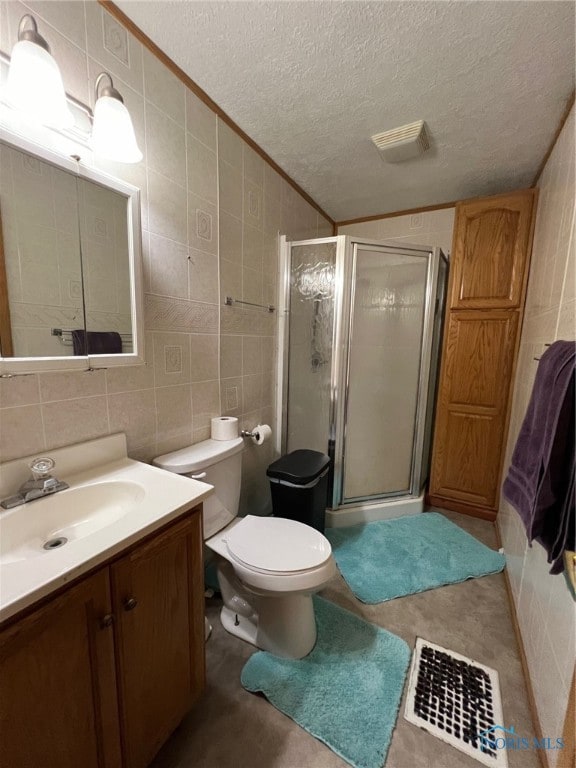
(230, 301)
(60, 331)
(67, 341)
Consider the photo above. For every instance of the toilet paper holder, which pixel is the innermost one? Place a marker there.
(259, 434)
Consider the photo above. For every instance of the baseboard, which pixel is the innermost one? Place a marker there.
(460, 506)
(523, 660)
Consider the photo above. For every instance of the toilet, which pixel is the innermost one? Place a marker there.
(268, 567)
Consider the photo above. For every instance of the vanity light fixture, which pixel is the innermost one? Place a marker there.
(113, 134)
(34, 83)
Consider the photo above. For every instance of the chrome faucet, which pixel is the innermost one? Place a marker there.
(42, 483)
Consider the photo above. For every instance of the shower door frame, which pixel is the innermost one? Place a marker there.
(430, 307)
(345, 267)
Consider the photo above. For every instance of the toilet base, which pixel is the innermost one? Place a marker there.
(240, 626)
(283, 624)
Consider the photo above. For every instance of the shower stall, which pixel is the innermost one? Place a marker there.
(360, 329)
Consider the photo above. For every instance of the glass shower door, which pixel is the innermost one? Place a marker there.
(308, 382)
(383, 377)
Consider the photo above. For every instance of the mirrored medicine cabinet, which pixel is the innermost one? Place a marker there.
(70, 263)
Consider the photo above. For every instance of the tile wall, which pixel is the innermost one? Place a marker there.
(425, 228)
(544, 606)
(212, 209)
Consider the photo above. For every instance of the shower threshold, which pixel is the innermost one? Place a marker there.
(375, 510)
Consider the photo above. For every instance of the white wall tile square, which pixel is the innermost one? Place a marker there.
(165, 145)
(112, 46)
(163, 90)
(202, 169)
(200, 120)
(71, 421)
(168, 211)
(230, 146)
(168, 267)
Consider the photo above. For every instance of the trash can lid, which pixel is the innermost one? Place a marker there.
(299, 467)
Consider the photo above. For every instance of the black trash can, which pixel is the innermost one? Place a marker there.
(299, 485)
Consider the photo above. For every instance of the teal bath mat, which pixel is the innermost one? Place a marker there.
(394, 558)
(346, 692)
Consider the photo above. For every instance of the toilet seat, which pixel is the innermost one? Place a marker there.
(277, 545)
(248, 538)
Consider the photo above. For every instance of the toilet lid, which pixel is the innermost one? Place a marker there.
(277, 544)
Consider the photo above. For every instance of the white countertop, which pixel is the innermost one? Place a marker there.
(165, 497)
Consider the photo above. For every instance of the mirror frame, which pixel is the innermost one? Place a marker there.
(11, 366)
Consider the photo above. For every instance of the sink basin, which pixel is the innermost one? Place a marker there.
(112, 504)
(34, 529)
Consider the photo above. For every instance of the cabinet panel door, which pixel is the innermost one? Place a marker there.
(58, 705)
(491, 246)
(469, 459)
(479, 359)
(473, 406)
(158, 598)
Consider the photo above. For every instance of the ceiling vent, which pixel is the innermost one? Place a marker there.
(402, 143)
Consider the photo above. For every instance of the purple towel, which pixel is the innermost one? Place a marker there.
(540, 481)
(96, 342)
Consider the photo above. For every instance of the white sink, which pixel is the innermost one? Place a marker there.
(112, 503)
(38, 528)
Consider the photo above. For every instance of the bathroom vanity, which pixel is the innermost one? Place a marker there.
(100, 669)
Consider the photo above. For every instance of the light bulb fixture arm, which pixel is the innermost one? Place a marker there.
(107, 90)
(31, 35)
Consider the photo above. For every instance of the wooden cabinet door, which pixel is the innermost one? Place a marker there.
(472, 410)
(158, 598)
(58, 702)
(490, 251)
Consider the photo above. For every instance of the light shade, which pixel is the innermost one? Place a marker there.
(35, 86)
(113, 134)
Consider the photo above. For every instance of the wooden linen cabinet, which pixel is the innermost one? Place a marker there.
(489, 270)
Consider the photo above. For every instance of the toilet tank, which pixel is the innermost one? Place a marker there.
(218, 462)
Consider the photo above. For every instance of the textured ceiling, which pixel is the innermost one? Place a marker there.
(310, 82)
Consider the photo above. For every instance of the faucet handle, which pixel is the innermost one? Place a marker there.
(41, 467)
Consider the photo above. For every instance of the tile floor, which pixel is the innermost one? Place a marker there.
(231, 728)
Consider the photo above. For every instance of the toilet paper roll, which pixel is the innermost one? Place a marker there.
(224, 428)
(261, 433)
